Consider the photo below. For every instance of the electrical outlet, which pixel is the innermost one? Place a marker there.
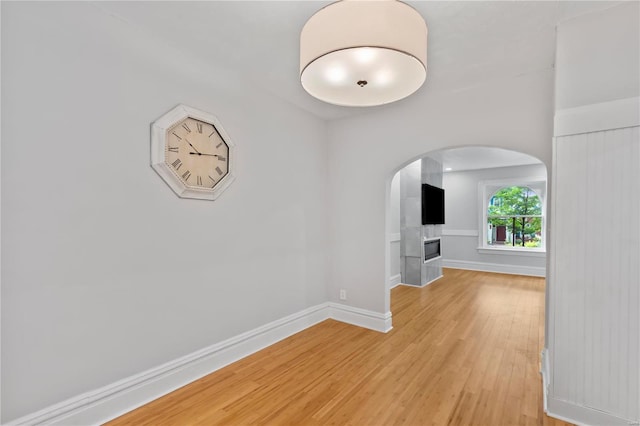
(343, 294)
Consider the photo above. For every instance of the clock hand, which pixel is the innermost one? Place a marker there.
(199, 153)
(194, 148)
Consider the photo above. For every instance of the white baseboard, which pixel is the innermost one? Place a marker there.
(395, 280)
(570, 412)
(360, 317)
(106, 403)
(580, 415)
(113, 400)
(495, 267)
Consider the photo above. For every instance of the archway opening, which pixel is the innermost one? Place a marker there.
(483, 187)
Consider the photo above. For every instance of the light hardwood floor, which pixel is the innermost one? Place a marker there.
(464, 350)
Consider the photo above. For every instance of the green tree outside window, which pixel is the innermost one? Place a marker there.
(515, 218)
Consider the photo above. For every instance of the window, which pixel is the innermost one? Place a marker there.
(512, 216)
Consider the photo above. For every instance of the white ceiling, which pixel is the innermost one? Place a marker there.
(469, 42)
(474, 158)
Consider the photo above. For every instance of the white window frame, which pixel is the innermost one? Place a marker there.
(486, 190)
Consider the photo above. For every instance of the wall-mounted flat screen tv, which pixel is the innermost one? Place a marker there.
(432, 205)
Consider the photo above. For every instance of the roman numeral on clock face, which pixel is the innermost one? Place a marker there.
(218, 170)
(199, 127)
(177, 164)
(176, 135)
(199, 180)
(186, 175)
(184, 126)
(173, 149)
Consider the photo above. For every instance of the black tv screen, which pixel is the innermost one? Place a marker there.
(432, 205)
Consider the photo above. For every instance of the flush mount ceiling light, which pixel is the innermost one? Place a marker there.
(363, 52)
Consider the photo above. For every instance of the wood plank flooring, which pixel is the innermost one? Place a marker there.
(464, 351)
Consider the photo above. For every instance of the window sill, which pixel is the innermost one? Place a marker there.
(512, 251)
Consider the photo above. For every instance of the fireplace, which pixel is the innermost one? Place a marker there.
(431, 249)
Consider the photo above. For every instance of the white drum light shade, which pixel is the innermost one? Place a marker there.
(363, 52)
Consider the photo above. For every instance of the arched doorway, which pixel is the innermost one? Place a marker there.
(470, 177)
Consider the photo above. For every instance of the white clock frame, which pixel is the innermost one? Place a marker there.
(159, 139)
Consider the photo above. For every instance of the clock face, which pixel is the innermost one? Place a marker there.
(196, 153)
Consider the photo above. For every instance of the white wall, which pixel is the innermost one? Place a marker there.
(394, 228)
(592, 358)
(463, 210)
(366, 151)
(105, 271)
(598, 57)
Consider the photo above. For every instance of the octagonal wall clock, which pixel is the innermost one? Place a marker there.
(192, 153)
